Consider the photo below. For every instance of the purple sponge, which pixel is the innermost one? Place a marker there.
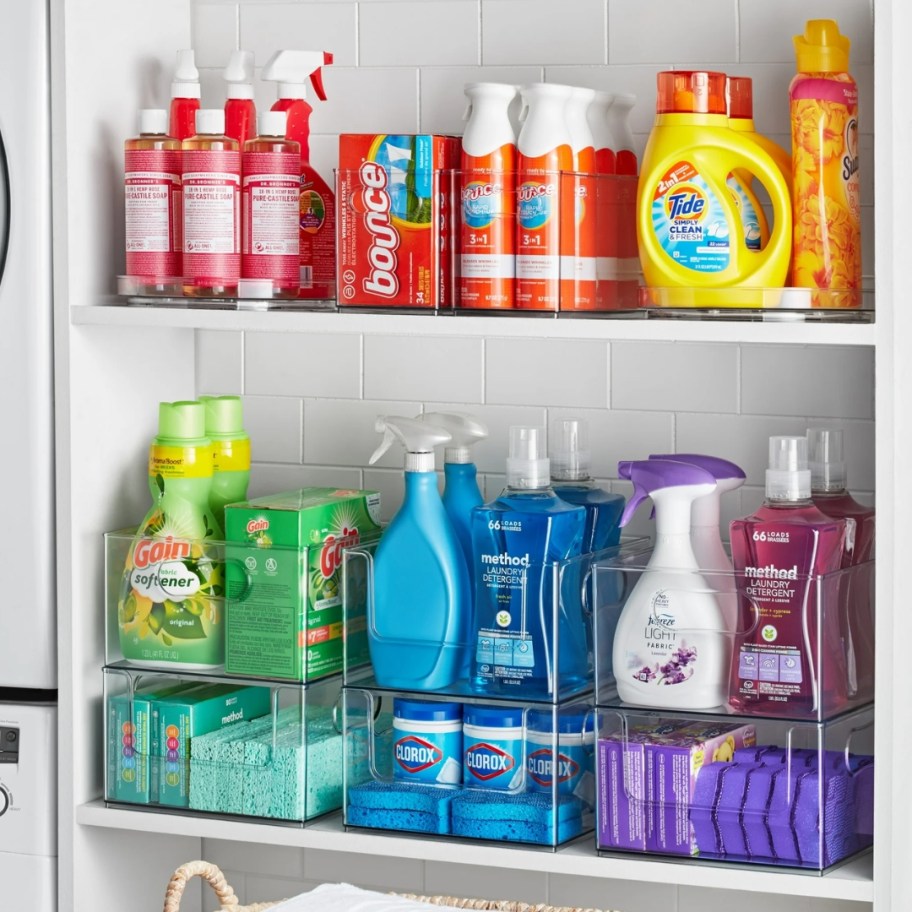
(400, 806)
(517, 818)
(727, 810)
(702, 802)
(758, 795)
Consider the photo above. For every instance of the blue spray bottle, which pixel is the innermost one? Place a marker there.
(570, 465)
(526, 637)
(420, 610)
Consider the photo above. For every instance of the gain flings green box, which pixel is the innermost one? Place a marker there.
(283, 570)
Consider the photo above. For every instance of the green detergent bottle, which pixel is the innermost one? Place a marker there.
(170, 606)
(230, 452)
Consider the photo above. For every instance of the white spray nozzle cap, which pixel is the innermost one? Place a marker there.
(186, 77)
(788, 476)
(826, 458)
(210, 122)
(618, 122)
(527, 465)
(501, 92)
(464, 430)
(570, 453)
(153, 121)
(577, 122)
(292, 69)
(239, 74)
(598, 123)
(272, 123)
(418, 438)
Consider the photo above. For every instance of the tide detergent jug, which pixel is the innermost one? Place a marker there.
(690, 231)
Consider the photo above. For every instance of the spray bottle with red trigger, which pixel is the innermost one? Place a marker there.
(317, 210)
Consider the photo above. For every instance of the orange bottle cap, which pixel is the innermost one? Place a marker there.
(691, 92)
(740, 97)
(822, 49)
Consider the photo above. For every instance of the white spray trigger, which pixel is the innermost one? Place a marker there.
(465, 431)
(417, 437)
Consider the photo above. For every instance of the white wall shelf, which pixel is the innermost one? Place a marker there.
(635, 329)
(852, 881)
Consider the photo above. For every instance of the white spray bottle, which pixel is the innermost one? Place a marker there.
(670, 647)
(705, 532)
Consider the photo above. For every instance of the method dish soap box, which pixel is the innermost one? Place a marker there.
(284, 574)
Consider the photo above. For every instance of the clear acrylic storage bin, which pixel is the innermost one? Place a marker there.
(738, 789)
(828, 672)
(479, 769)
(540, 651)
(451, 241)
(241, 608)
(214, 745)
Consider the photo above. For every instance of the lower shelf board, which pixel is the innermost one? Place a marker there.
(852, 881)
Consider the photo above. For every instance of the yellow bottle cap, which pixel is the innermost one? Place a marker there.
(822, 48)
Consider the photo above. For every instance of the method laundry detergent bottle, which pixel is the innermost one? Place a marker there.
(168, 612)
(544, 152)
(419, 617)
(705, 531)
(488, 195)
(230, 452)
(530, 638)
(291, 70)
(691, 237)
(670, 647)
(571, 480)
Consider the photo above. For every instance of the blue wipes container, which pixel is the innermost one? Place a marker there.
(493, 742)
(427, 741)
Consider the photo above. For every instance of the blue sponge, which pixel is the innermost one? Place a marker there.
(517, 818)
(400, 806)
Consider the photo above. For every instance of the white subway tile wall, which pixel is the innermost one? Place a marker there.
(311, 402)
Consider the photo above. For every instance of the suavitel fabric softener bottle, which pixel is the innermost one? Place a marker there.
(777, 552)
(826, 456)
(520, 646)
(572, 482)
(169, 610)
(418, 623)
(230, 452)
(670, 650)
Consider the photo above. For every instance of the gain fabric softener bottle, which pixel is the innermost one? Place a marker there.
(169, 610)
(230, 452)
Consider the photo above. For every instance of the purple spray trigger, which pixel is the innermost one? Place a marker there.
(650, 475)
(718, 468)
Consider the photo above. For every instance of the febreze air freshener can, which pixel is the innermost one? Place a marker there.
(493, 745)
(427, 741)
(394, 226)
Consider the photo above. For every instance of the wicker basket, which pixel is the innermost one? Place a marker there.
(229, 902)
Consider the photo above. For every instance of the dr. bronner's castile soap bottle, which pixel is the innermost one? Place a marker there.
(169, 610)
(778, 553)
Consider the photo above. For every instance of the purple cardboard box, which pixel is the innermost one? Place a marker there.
(674, 765)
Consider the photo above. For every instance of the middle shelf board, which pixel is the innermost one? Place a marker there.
(768, 331)
(852, 881)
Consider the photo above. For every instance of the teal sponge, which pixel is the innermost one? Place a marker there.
(517, 818)
(400, 806)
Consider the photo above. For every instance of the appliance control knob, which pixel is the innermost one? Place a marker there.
(4, 800)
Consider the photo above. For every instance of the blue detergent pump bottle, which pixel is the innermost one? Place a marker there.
(571, 480)
(420, 612)
(529, 643)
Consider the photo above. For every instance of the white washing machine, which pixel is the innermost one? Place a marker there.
(28, 805)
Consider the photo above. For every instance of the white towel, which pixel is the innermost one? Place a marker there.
(346, 898)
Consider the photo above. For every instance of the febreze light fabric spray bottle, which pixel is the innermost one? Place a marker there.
(487, 258)
(689, 228)
(544, 151)
(419, 617)
(777, 553)
(578, 265)
(705, 531)
(827, 183)
(529, 642)
(291, 70)
(670, 647)
(169, 612)
(240, 110)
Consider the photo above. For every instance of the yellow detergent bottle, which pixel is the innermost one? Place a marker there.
(693, 245)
